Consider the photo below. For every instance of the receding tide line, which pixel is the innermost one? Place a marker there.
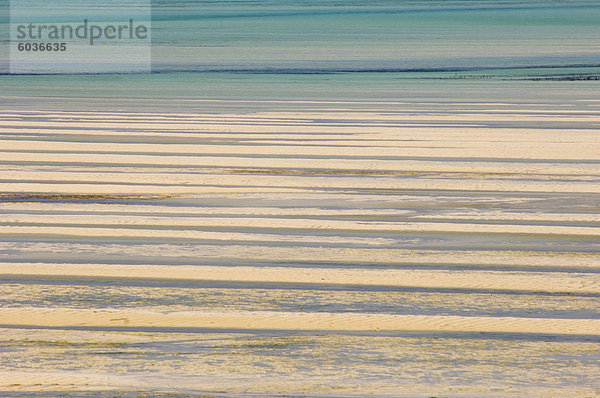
(268, 320)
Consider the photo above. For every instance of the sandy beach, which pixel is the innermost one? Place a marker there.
(388, 249)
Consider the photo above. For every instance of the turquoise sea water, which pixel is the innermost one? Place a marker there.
(345, 49)
(318, 36)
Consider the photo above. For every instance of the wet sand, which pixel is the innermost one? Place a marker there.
(394, 249)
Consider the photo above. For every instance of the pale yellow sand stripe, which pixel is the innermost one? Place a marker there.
(311, 224)
(50, 208)
(554, 282)
(290, 126)
(175, 163)
(298, 166)
(265, 320)
(411, 148)
(111, 190)
(48, 140)
(507, 150)
(36, 381)
(85, 232)
(513, 216)
(270, 383)
(311, 254)
(374, 134)
(322, 177)
(308, 212)
(259, 183)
